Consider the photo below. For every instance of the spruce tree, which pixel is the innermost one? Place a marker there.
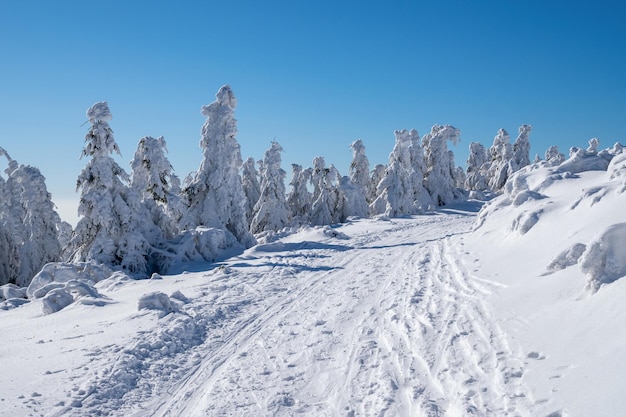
(271, 211)
(114, 222)
(215, 194)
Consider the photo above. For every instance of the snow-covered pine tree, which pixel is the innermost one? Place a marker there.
(215, 194)
(360, 170)
(521, 148)
(30, 223)
(376, 176)
(271, 211)
(251, 186)
(553, 156)
(475, 179)
(439, 181)
(153, 178)
(324, 206)
(421, 197)
(396, 191)
(299, 197)
(501, 154)
(458, 175)
(114, 222)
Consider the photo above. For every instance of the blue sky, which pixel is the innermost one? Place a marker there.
(314, 76)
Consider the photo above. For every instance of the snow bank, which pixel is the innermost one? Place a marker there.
(62, 272)
(605, 260)
(162, 303)
(56, 296)
(202, 244)
(9, 291)
(156, 301)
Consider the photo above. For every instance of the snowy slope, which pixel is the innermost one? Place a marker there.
(447, 314)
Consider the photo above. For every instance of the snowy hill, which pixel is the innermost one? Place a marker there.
(513, 311)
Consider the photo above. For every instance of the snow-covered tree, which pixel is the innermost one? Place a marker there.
(475, 177)
(215, 194)
(377, 175)
(324, 206)
(360, 168)
(439, 181)
(421, 197)
(271, 211)
(30, 225)
(401, 191)
(521, 148)
(251, 186)
(154, 179)
(299, 197)
(501, 154)
(114, 222)
(553, 156)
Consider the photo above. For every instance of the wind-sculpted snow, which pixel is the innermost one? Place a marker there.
(563, 200)
(605, 259)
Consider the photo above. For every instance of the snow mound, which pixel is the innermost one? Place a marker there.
(62, 272)
(9, 291)
(585, 160)
(605, 259)
(56, 300)
(202, 244)
(162, 303)
(99, 111)
(567, 258)
(56, 296)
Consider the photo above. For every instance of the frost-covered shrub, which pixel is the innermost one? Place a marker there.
(604, 261)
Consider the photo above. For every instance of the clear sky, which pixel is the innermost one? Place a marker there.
(313, 75)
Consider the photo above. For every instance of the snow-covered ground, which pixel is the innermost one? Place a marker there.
(517, 311)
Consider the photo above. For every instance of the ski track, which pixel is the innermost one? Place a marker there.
(393, 325)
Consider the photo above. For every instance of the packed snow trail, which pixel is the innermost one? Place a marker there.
(368, 324)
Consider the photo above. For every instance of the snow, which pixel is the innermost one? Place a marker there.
(511, 307)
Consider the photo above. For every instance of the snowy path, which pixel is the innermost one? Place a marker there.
(394, 324)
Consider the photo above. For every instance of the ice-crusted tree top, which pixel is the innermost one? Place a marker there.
(99, 111)
(99, 140)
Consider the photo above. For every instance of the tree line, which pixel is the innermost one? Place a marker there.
(147, 220)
